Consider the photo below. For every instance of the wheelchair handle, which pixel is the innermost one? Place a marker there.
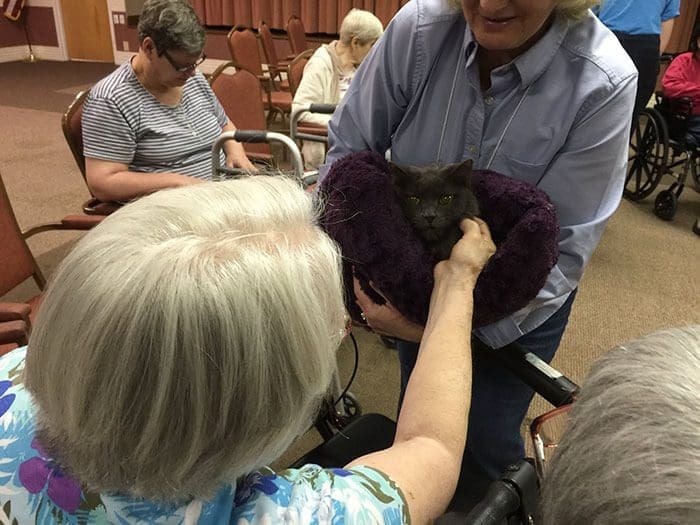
(548, 382)
(322, 108)
(514, 493)
(295, 117)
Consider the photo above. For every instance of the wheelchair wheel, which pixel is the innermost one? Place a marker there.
(666, 204)
(648, 155)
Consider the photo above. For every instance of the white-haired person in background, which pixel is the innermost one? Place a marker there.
(631, 451)
(330, 69)
(183, 345)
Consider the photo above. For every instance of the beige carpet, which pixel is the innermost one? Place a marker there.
(645, 274)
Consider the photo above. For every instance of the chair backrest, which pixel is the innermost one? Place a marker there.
(296, 35)
(268, 44)
(240, 93)
(73, 129)
(16, 260)
(295, 69)
(243, 46)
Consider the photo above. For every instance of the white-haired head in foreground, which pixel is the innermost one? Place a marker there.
(188, 338)
(631, 451)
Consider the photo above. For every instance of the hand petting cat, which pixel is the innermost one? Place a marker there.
(454, 278)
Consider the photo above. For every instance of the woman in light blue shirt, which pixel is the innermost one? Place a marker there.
(537, 90)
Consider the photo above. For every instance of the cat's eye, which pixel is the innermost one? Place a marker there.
(445, 200)
(413, 200)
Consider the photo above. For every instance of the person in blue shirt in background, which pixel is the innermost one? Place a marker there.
(537, 90)
(644, 30)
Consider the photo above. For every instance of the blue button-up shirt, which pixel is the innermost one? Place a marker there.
(558, 116)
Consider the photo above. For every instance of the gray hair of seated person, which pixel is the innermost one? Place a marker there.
(571, 9)
(631, 451)
(171, 24)
(188, 339)
(360, 24)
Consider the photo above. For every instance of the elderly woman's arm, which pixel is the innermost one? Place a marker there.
(112, 181)
(425, 458)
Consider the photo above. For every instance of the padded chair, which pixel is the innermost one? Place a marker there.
(295, 72)
(18, 265)
(245, 52)
(274, 65)
(295, 69)
(241, 95)
(72, 126)
(296, 35)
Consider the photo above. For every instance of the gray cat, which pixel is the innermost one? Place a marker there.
(435, 199)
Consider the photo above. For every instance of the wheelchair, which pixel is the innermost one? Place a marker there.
(659, 145)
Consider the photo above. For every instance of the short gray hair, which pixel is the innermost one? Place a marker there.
(362, 25)
(571, 9)
(188, 339)
(631, 452)
(171, 24)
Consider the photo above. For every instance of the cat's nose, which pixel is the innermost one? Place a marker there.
(429, 219)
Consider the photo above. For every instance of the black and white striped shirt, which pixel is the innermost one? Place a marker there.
(122, 122)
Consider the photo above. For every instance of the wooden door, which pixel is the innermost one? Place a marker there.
(86, 25)
(683, 26)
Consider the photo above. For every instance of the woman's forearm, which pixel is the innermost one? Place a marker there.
(127, 185)
(442, 375)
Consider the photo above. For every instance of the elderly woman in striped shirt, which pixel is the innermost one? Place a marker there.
(151, 123)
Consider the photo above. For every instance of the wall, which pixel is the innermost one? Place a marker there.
(44, 28)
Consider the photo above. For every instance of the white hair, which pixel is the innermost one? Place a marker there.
(188, 339)
(360, 24)
(631, 451)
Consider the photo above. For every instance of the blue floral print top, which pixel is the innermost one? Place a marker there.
(34, 489)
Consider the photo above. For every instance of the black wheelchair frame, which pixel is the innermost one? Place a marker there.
(659, 145)
(512, 499)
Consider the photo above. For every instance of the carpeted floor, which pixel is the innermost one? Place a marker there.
(644, 275)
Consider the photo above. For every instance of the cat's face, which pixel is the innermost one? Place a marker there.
(435, 199)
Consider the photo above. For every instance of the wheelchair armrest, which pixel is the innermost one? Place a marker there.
(363, 435)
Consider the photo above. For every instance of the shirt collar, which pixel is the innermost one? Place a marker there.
(535, 61)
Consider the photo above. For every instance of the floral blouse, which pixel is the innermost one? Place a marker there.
(34, 489)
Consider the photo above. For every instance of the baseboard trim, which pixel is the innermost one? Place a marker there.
(17, 53)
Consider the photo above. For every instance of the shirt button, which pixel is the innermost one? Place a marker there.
(472, 149)
(489, 100)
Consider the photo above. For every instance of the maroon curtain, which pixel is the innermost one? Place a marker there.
(318, 16)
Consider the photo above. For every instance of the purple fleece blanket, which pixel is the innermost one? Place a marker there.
(362, 214)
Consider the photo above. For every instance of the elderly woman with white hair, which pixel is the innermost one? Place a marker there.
(183, 345)
(329, 71)
(631, 451)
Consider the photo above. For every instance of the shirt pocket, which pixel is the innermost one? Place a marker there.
(531, 172)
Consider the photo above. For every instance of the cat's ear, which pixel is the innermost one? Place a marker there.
(462, 173)
(396, 173)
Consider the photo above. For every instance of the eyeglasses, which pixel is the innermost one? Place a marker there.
(184, 69)
(545, 432)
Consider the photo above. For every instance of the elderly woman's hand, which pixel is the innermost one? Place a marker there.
(237, 158)
(469, 255)
(385, 319)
